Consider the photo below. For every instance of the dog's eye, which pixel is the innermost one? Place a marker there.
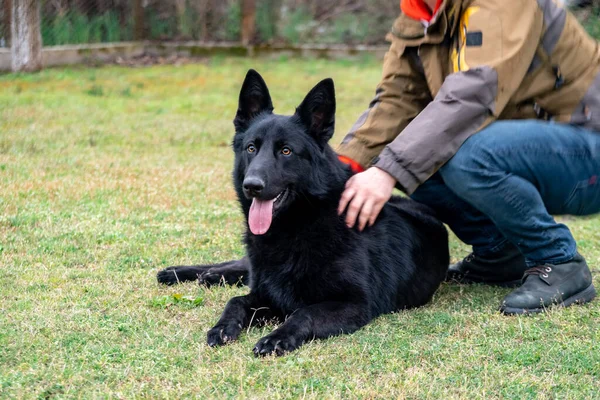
(251, 148)
(286, 151)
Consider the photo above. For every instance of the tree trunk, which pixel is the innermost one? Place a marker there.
(181, 25)
(6, 22)
(26, 38)
(138, 20)
(203, 9)
(248, 21)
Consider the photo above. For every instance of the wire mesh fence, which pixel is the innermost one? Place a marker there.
(5, 15)
(275, 21)
(85, 21)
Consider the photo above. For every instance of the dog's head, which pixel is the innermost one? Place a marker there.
(280, 159)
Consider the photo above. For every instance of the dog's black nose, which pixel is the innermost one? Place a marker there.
(253, 185)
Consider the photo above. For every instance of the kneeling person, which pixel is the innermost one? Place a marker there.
(488, 112)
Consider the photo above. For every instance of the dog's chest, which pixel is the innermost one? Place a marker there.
(289, 289)
(299, 272)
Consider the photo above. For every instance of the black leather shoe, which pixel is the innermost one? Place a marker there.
(503, 269)
(546, 285)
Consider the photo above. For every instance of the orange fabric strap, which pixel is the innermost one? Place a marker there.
(356, 167)
(417, 9)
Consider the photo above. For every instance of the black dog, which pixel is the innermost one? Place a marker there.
(305, 267)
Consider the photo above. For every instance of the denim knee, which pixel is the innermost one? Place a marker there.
(460, 172)
(474, 161)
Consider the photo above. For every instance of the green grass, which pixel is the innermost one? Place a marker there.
(108, 175)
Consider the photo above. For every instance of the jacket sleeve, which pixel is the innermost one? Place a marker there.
(400, 96)
(496, 43)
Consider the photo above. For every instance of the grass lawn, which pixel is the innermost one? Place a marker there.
(108, 175)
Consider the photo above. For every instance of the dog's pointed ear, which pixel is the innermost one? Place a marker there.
(254, 99)
(317, 111)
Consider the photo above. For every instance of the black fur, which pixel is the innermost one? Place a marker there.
(309, 270)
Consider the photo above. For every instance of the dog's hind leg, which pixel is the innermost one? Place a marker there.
(233, 272)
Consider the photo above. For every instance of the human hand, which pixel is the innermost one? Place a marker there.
(365, 195)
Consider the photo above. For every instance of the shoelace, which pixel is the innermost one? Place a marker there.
(542, 270)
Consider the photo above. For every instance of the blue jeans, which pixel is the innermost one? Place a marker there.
(505, 182)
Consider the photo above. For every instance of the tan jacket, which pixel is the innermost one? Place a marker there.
(478, 61)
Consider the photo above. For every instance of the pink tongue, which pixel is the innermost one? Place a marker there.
(261, 214)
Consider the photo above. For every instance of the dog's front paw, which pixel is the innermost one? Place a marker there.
(222, 334)
(168, 276)
(276, 343)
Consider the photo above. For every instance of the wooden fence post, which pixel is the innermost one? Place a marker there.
(138, 20)
(26, 37)
(248, 21)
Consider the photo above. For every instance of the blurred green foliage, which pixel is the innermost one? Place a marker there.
(592, 23)
(78, 28)
(276, 21)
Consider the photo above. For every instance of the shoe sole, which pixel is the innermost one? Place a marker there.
(585, 296)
